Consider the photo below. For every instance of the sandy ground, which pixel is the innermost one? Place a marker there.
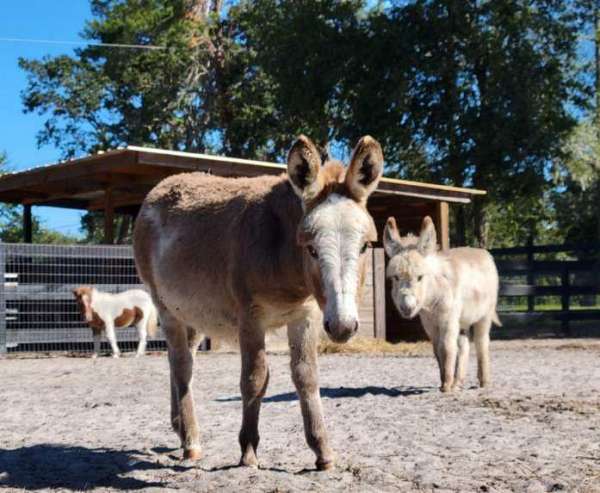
(76, 424)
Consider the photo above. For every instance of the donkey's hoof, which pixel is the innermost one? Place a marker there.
(249, 459)
(446, 388)
(192, 454)
(116, 355)
(325, 465)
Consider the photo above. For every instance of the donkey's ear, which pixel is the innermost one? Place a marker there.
(391, 238)
(366, 168)
(303, 167)
(427, 239)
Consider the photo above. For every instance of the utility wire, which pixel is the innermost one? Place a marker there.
(90, 43)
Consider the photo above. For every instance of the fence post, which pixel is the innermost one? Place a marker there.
(379, 293)
(565, 299)
(530, 274)
(2, 299)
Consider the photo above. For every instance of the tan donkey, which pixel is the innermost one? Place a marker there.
(451, 291)
(237, 257)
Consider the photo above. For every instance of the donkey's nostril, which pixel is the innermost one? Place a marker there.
(327, 327)
(355, 326)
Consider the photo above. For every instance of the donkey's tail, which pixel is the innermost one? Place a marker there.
(152, 325)
(495, 319)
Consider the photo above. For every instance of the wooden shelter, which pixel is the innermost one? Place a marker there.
(117, 181)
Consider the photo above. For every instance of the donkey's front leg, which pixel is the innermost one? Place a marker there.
(303, 339)
(462, 361)
(448, 348)
(253, 384)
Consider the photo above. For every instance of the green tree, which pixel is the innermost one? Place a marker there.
(482, 90)
(470, 93)
(108, 97)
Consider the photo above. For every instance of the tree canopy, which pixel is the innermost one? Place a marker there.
(475, 93)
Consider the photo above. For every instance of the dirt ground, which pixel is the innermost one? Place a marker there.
(76, 423)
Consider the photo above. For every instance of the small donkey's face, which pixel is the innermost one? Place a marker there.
(336, 228)
(410, 265)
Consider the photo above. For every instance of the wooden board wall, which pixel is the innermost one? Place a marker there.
(409, 213)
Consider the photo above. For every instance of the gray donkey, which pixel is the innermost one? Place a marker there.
(451, 291)
(237, 257)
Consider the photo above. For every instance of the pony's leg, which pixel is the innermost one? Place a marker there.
(462, 361)
(97, 338)
(143, 335)
(303, 339)
(181, 362)
(253, 385)
(481, 337)
(112, 339)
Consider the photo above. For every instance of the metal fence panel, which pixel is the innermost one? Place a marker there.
(37, 307)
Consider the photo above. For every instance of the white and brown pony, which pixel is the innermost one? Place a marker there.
(238, 257)
(452, 291)
(105, 312)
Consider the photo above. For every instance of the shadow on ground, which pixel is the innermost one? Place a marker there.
(342, 392)
(73, 468)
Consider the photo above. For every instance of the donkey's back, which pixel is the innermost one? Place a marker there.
(475, 283)
(203, 231)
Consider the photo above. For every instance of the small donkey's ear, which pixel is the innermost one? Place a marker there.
(427, 239)
(303, 167)
(391, 238)
(366, 168)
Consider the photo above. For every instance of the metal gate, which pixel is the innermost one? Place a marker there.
(37, 309)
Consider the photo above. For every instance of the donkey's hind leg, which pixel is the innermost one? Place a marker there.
(481, 337)
(181, 362)
(253, 385)
(462, 361)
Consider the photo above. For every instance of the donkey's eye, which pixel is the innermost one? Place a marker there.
(364, 248)
(419, 279)
(311, 250)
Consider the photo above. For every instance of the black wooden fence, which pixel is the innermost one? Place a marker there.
(550, 290)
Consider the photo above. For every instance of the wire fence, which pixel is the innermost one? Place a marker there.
(38, 311)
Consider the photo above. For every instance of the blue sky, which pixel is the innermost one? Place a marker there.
(58, 20)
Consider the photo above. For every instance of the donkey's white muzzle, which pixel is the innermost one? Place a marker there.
(341, 318)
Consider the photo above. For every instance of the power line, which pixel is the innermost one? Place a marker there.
(90, 43)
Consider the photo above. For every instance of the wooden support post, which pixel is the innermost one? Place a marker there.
(442, 224)
(530, 274)
(565, 300)
(109, 217)
(379, 293)
(27, 224)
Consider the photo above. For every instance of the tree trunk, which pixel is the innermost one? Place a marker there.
(460, 229)
(480, 222)
(123, 229)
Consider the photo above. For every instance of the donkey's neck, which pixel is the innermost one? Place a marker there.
(438, 284)
(278, 261)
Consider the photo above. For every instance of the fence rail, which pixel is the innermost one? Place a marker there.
(37, 309)
(575, 274)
